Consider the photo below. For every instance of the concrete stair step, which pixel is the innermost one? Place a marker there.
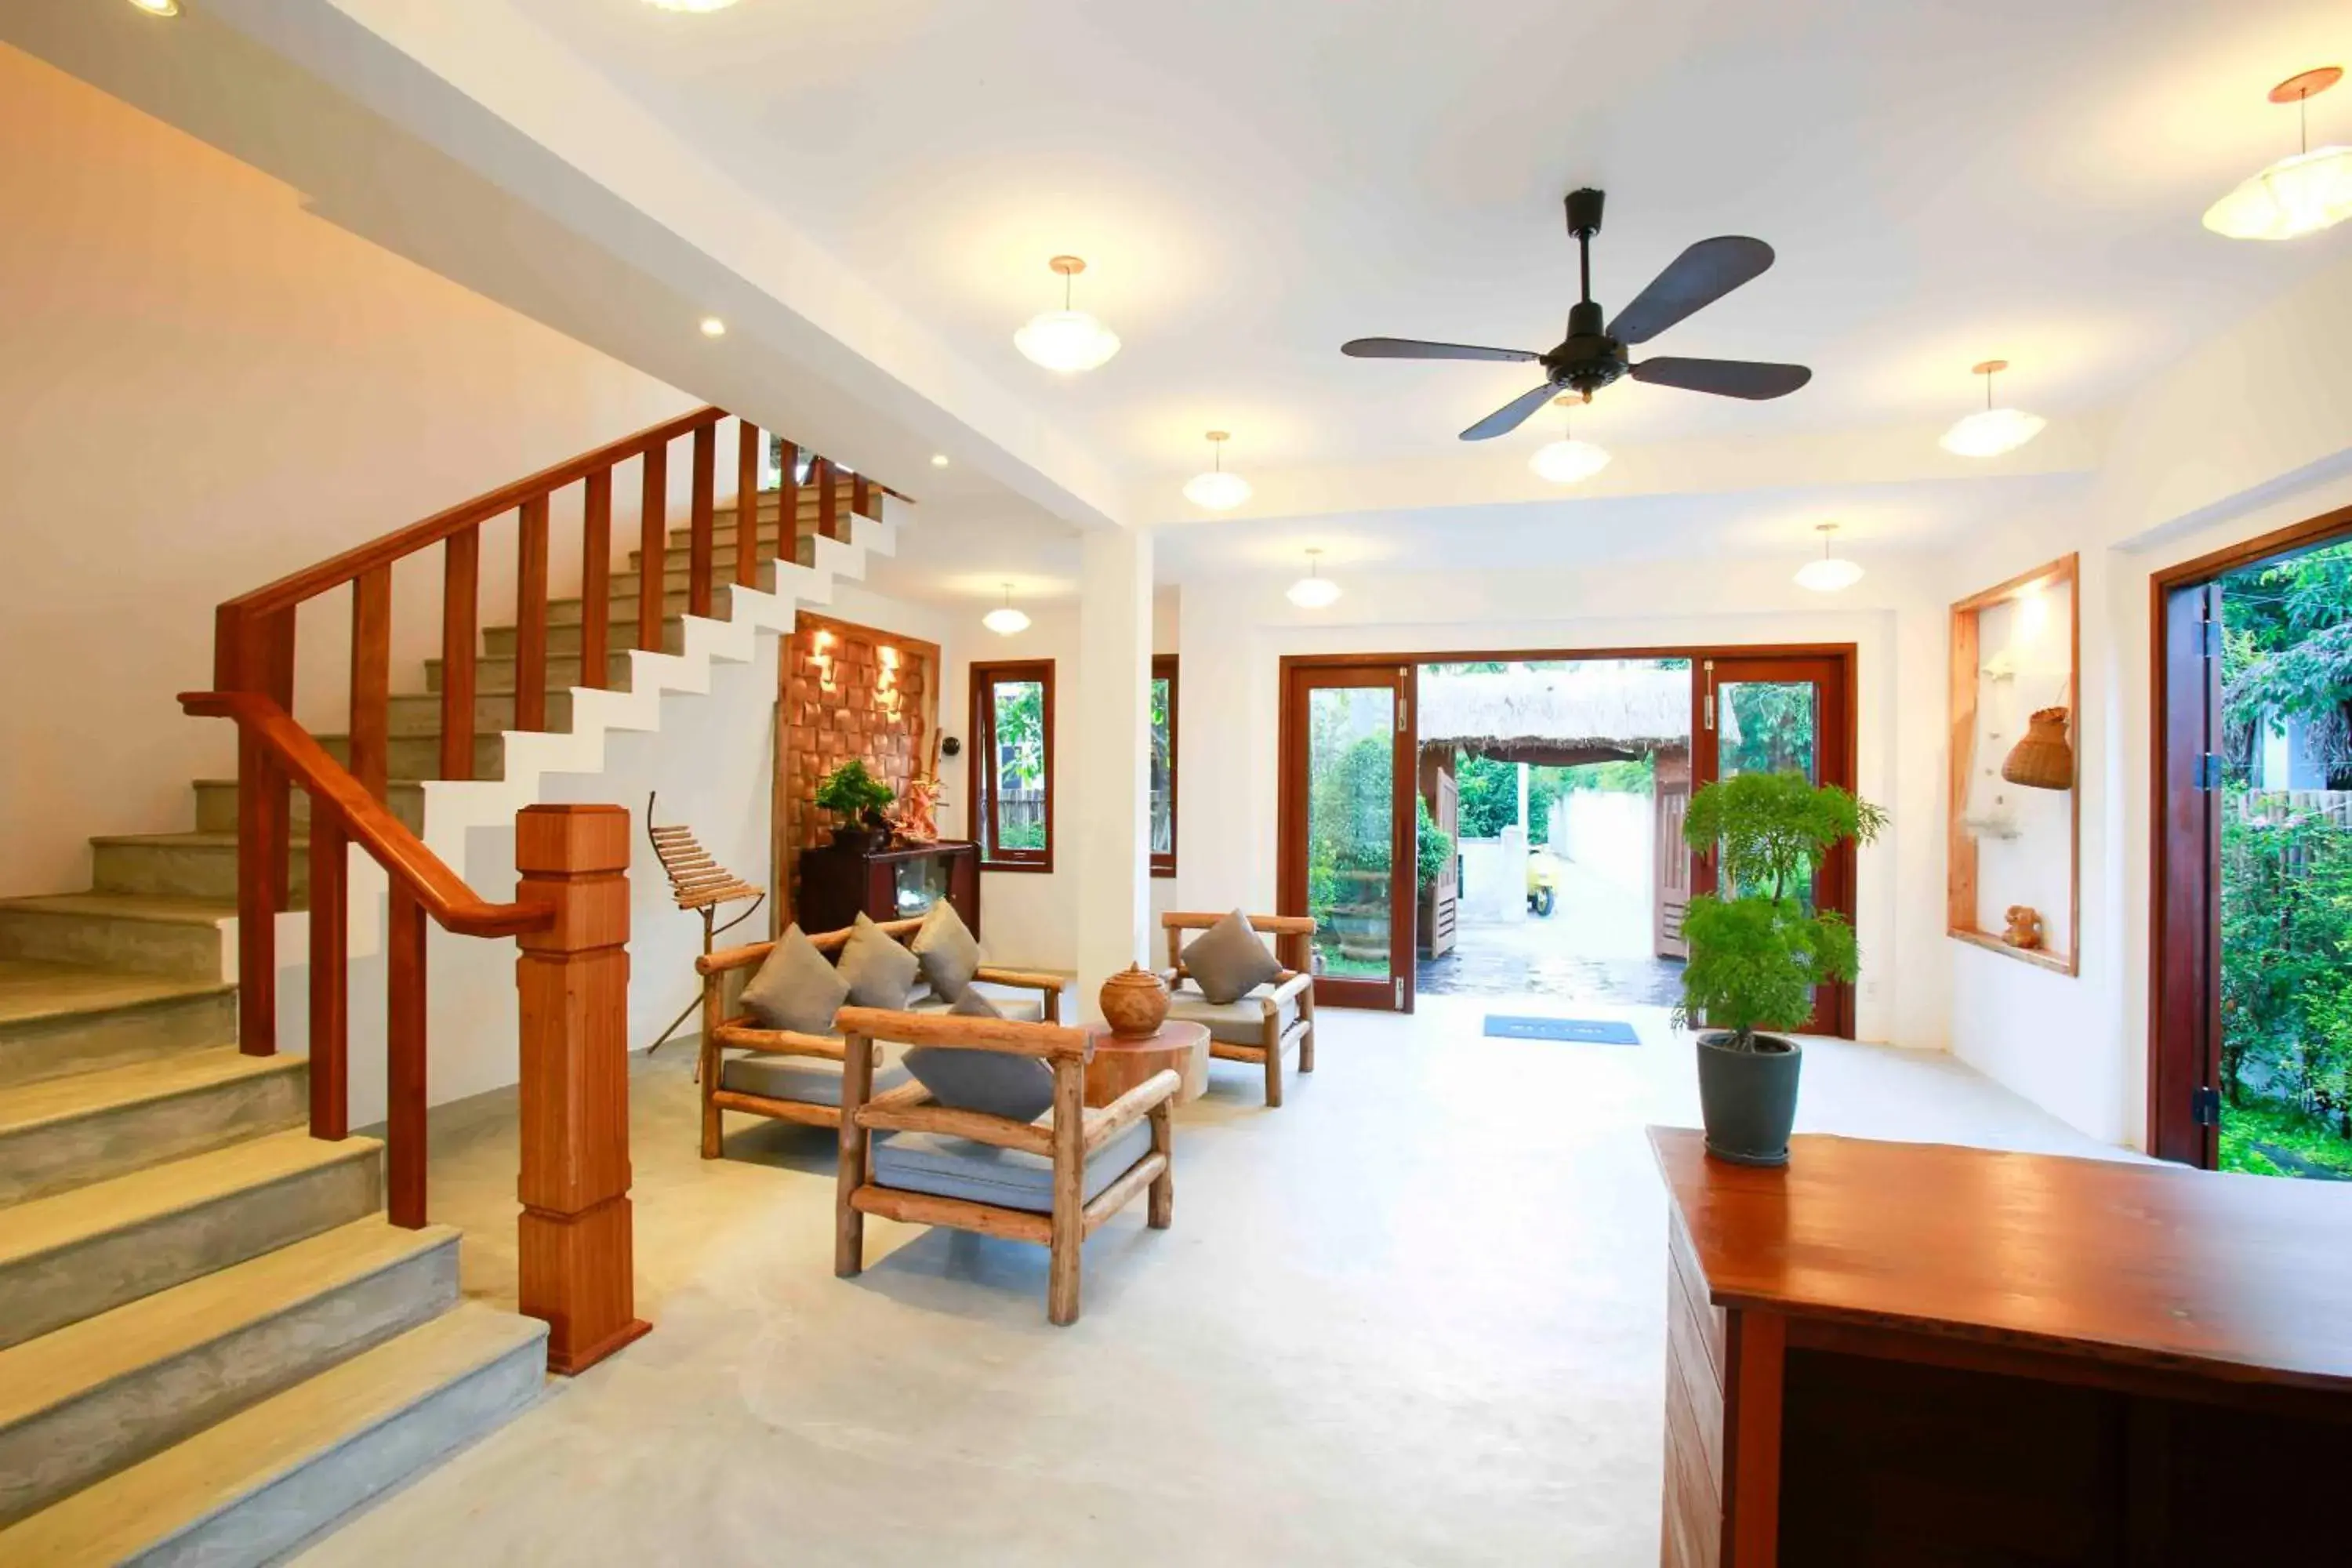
(249, 1488)
(80, 1253)
(216, 805)
(497, 675)
(143, 932)
(679, 553)
(564, 638)
(93, 1398)
(680, 578)
(570, 613)
(58, 1018)
(185, 865)
(419, 713)
(67, 1132)
(418, 757)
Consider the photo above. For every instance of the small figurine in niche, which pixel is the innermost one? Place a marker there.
(2024, 928)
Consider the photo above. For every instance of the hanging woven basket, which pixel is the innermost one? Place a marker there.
(2042, 760)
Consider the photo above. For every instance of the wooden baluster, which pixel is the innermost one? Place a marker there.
(260, 813)
(461, 576)
(788, 503)
(698, 532)
(330, 976)
(530, 615)
(596, 578)
(862, 498)
(828, 498)
(746, 504)
(276, 659)
(371, 681)
(653, 549)
(578, 1271)
(404, 1061)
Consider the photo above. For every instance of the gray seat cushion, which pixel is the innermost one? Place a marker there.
(794, 987)
(1229, 958)
(1017, 1003)
(945, 949)
(881, 972)
(949, 1167)
(812, 1081)
(1241, 1021)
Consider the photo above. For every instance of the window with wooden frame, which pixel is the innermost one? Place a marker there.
(1012, 764)
(1163, 764)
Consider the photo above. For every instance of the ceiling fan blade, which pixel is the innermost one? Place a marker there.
(1755, 380)
(1699, 277)
(1414, 348)
(1512, 415)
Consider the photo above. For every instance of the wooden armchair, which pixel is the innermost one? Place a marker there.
(1054, 1181)
(1269, 1022)
(798, 1077)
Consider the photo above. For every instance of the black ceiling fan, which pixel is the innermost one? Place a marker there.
(1592, 355)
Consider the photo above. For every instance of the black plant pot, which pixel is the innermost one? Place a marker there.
(856, 840)
(1749, 1098)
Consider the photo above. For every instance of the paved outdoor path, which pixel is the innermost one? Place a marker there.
(1594, 947)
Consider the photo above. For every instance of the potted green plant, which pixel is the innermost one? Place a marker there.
(1757, 948)
(852, 792)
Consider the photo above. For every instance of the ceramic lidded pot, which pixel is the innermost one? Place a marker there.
(1134, 1002)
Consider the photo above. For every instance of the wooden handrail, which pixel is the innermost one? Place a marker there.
(443, 894)
(334, 572)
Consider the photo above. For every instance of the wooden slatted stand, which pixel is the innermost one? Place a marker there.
(697, 882)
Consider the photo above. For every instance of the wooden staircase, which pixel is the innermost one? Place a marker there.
(214, 1340)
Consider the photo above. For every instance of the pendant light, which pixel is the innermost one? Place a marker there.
(1314, 591)
(1831, 574)
(1066, 339)
(2297, 195)
(692, 6)
(1217, 489)
(1990, 433)
(1568, 460)
(1005, 620)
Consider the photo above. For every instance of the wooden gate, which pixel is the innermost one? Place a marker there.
(1670, 869)
(1441, 907)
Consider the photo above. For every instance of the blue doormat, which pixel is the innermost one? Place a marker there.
(1578, 1031)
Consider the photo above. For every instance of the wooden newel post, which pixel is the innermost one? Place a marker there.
(577, 1262)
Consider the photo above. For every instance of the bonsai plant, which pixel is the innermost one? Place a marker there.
(853, 794)
(1757, 948)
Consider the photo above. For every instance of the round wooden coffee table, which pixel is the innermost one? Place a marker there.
(1120, 1062)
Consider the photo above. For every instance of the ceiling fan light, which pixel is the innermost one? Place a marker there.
(1991, 432)
(1312, 593)
(1217, 491)
(1829, 575)
(1066, 340)
(2294, 197)
(1567, 462)
(1005, 621)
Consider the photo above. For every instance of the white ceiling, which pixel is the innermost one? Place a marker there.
(1254, 182)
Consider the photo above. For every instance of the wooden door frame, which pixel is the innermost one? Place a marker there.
(2184, 1044)
(1290, 859)
(1835, 887)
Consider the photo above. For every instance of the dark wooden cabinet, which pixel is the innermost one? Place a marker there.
(838, 884)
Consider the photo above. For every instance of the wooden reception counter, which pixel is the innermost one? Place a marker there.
(1911, 1353)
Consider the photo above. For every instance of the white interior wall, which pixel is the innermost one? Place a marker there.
(207, 388)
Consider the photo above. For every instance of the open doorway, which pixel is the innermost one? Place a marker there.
(2252, 1030)
(1559, 786)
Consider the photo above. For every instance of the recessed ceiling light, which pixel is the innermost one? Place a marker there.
(938, 460)
(2297, 195)
(712, 327)
(1992, 431)
(1831, 572)
(158, 7)
(689, 4)
(1065, 339)
(1217, 489)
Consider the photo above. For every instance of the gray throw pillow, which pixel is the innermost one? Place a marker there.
(1020, 1087)
(881, 972)
(947, 951)
(795, 988)
(1228, 962)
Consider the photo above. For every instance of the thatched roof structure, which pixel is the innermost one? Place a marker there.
(1589, 711)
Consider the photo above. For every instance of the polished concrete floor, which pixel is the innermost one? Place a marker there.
(1413, 1317)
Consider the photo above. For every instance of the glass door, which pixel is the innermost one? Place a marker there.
(1781, 713)
(1347, 827)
